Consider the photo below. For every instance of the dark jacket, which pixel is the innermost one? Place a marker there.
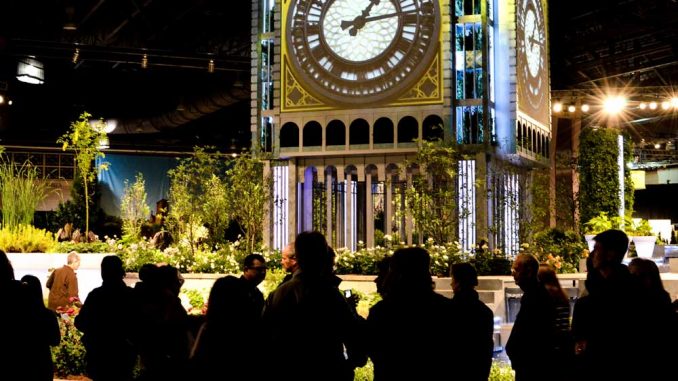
(62, 285)
(472, 326)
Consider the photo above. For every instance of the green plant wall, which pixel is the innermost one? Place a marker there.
(598, 174)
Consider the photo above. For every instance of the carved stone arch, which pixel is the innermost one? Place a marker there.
(335, 133)
(359, 132)
(289, 135)
(382, 131)
(433, 128)
(408, 129)
(312, 134)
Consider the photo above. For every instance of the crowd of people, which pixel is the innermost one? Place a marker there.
(623, 329)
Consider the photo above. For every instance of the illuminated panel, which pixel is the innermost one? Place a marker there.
(511, 215)
(350, 234)
(466, 193)
(280, 206)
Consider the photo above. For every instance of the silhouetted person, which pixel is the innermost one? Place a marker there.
(254, 272)
(63, 283)
(563, 343)
(400, 342)
(228, 338)
(323, 321)
(659, 322)
(383, 266)
(601, 319)
(107, 323)
(472, 326)
(531, 344)
(163, 326)
(41, 333)
(12, 322)
(289, 262)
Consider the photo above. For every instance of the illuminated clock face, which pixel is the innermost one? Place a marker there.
(532, 49)
(361, 52)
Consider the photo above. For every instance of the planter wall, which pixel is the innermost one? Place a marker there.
(41, 264)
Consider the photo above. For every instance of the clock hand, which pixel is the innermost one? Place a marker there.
(360, 21)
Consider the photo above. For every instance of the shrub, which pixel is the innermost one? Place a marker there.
(26, 239)
(69, 355)
(81, 247)
(561, 249)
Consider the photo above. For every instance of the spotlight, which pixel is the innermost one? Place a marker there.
(614, 105)
(666, 105)
(657, 146)
(571, 108)
(653, 105)
(557, 107)
(10, 102)
(642, 105)
(210, 66)
(674, 102)
(2, 99)
(585, 108)
(144, 61)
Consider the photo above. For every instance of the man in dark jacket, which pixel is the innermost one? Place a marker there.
(63, 283)
(472, 325)
(531, 344)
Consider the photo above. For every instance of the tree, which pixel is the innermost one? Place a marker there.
(248, 193)
(432, 199)
(197, 197)
(133, 207)
(83, 139)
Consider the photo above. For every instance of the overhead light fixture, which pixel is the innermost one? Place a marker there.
(585, 108)
(653, 105)
(70, 26)
(144, 61)
(614, 104)
(557, 107)
(642, 105)
(30, 70)
(210, 66)
(76, 55)
(674, 102)
(10, 102)
(571, 108)
(666, 105)
(2, 99)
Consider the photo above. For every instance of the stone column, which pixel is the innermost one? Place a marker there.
(349, 239)
(553, 172)
(339, 222)
(408, 213)
(291, 202)
(388, 203)
(369, 211)
(328, 206)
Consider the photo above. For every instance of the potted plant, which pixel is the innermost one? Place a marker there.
(640, 232)
(598, 224)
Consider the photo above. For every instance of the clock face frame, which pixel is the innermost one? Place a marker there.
(361, 52)
(531, 43)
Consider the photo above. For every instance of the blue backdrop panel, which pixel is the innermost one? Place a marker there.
(125, 167)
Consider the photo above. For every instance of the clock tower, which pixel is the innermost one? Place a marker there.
(343, 91)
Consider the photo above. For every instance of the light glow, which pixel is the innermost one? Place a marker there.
(571, 108)
(653, 105)
(585, 108)
(642, 105)
(666, 105)
(557, 107)
(614, 104)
